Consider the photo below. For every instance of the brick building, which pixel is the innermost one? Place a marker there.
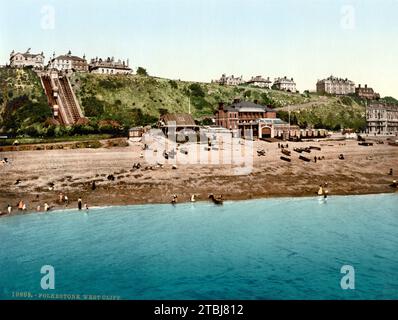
(366, 93)
(242, 115)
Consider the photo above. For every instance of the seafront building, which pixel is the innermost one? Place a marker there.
(382, 118)
(334, 85)
(241, 116)
(27, 59)
(284, 84)
(109, 66)
(68, 62)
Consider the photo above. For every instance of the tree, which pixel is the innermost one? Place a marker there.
(141, 71)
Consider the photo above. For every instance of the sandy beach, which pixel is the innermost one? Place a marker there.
(43, 174)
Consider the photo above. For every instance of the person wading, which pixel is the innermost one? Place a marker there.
(79, 203)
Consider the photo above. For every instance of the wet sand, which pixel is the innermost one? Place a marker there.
(46, 173)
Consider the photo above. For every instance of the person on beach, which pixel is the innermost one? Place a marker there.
(9, 209)
(79, 203)
(38, 208)
(85, 206)
(61, 197)
(174, 200)
(66, 200)
(46, 207)
(20, 205)
(193, 198)
(93, 186)
(391, 172)
(320, 190)
(24, 207)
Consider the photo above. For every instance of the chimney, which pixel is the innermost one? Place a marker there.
(359, 86)
(236, 100)
(366, 86)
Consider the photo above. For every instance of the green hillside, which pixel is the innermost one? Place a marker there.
(139, 100)
(23, 104)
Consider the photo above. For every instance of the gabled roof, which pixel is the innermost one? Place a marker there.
(28, 55)
(68, 57)
(178, 119)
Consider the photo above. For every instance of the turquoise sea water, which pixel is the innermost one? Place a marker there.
(259, 249)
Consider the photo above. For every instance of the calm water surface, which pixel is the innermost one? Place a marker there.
(260, 249)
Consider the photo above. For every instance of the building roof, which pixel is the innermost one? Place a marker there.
(107, 66)
(27, 55)
(247, 106)
(259, 79)
(177, 119)
(333, 79)
(272, 120)
(68, 57)
(284, 80)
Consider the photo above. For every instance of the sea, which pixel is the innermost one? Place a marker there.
(280, 248)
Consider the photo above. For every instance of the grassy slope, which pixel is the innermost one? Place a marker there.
(121, 96)
(19, 82)
(150, 94)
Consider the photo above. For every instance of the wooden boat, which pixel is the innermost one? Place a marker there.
(299, 150)
(286, 152)
(261, 153)
(315, 148)
(286, 159)
(304, 159)
(217, 201)
(308, 150)
(365, 144)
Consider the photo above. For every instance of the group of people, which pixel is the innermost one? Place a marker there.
(21, 206)
(175, 198)
(283, 146)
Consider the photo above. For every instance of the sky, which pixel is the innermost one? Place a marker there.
(199, 40)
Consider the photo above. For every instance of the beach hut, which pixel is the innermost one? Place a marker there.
(136, 132)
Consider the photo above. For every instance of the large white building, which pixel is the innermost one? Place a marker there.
(334, 85)
(68, 62)
(109, 66)
(27, 59)
(259, 81)
(285, 84)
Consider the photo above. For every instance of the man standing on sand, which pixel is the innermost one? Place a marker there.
(79, 203)
(9, 209)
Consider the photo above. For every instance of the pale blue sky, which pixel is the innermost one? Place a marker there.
(200, 40)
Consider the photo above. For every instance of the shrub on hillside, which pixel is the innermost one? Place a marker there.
(141, 71)
(93, 107)
(196, 90)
